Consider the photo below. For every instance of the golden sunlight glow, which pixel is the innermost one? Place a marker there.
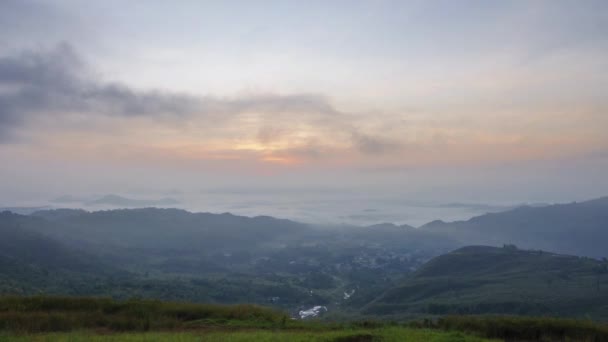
(283, 160)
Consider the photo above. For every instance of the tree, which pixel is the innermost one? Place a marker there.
(599, 270)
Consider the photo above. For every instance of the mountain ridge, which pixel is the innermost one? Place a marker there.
(579, 228)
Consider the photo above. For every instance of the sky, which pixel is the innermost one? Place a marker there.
(483, 101)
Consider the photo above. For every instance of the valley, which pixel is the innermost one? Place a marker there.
(382, 270)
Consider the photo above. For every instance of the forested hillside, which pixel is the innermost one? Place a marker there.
(491, 280)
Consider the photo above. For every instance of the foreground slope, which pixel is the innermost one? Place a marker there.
(99, 319)
(481, 280)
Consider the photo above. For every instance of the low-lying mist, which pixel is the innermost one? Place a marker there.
(314, 207)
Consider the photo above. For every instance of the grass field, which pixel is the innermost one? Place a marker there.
(100, 319)
(383, 334)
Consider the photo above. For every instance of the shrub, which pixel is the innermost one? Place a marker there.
(527, 328)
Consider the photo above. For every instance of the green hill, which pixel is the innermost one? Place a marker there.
(484, 280)
(31, 262)
(165, 228)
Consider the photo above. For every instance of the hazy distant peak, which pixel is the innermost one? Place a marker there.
(407, 226)
(392, 226)
(116, 200)
(602, 201)
(67, 199)
(433, 224)
(383, 225)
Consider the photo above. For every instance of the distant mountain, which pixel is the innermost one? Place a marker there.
(166, 228)
(479, 207)
(68, 199)
(391, 226)
(574, 228)
(24, 210)
(482, 280)
(119, 201)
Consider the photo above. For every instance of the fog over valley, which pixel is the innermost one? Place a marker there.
(325, 208)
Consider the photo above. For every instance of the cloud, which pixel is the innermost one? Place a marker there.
(42, 88)
(269, 134)
(373, 145)
(57, 81)
(294, 103)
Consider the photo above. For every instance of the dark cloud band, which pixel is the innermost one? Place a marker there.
(57, 81)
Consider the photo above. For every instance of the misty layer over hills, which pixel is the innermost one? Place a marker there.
(312, 206)
(382, 269)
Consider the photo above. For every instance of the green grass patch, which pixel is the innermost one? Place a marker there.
(47, 314)
(390, 334)
(92, 319)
